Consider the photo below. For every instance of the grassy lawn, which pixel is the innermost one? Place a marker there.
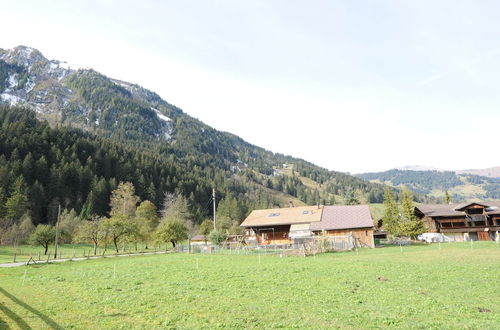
(421, 287)
(24, 252)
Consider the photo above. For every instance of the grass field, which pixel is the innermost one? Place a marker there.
(420, 287)
(24, 252)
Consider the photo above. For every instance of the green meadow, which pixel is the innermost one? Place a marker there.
(447, 287)
(23, 253)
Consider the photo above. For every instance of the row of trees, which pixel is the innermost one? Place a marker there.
(400, 220)
(131, 222)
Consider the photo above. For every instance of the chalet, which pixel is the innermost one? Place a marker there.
(294, 224)
(459, 222)
(281, 225)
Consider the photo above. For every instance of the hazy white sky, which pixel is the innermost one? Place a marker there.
(352, 86)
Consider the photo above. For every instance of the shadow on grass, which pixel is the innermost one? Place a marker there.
(14, 317)
(19, 321)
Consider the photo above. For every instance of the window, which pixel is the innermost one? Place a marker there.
(475, 211)
(305, 212)
(274, 214)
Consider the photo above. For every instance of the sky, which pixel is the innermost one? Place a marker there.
(353, 86)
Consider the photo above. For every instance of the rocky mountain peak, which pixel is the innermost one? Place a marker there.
(64, 93)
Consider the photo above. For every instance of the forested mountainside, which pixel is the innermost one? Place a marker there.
(87, 132)
(435, 183)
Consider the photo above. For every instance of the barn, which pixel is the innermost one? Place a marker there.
(293, 224)
(343, 220)
(461, 222)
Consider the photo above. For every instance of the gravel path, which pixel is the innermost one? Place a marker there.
(17, 264)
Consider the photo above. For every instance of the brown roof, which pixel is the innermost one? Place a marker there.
(344, 217)
(283, 216)
(465, 206)
(450, 210)
(199, 238)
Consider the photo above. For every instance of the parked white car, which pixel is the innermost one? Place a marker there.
(433, 237)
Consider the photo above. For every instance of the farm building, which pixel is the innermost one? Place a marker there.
(355, 220)
(279, 226)
(459, 222)
(199, 240)
(295, 224)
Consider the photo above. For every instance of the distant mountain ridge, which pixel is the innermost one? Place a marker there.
(418, 168)
(463, 186)
(492, 172)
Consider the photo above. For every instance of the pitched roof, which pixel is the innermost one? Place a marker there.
(439, 210)
(283, 216)
(344, 217)
(199, 238)
(463, 207)
(449, 210)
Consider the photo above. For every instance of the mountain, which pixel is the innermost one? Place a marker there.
(461, 186)
(418, 168)
(151, 143)
(492, 172)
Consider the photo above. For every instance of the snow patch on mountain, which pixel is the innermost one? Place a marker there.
(30, 85)
(160, 115)
(12, 99)
(13, 82)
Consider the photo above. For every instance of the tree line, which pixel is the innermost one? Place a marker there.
(130, 221)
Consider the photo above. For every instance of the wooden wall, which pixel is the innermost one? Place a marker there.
(365, 235)
(265, 236)
(430, 224)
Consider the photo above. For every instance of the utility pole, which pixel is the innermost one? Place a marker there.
(213, 199)
(57, 230)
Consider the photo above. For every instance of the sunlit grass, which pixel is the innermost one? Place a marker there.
(436, 286)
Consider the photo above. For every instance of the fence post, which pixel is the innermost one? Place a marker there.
(14, 257)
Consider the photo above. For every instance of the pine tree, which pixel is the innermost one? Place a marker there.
(447, 197)
(350, 198)
(410, 225)
(391, 219)
(3, 198)
(407, 206)
(17, 204)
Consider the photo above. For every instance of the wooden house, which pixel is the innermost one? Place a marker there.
(293, 224)
(279, 226)
(459, 222)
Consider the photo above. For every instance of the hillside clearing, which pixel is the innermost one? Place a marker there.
(452, 286)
